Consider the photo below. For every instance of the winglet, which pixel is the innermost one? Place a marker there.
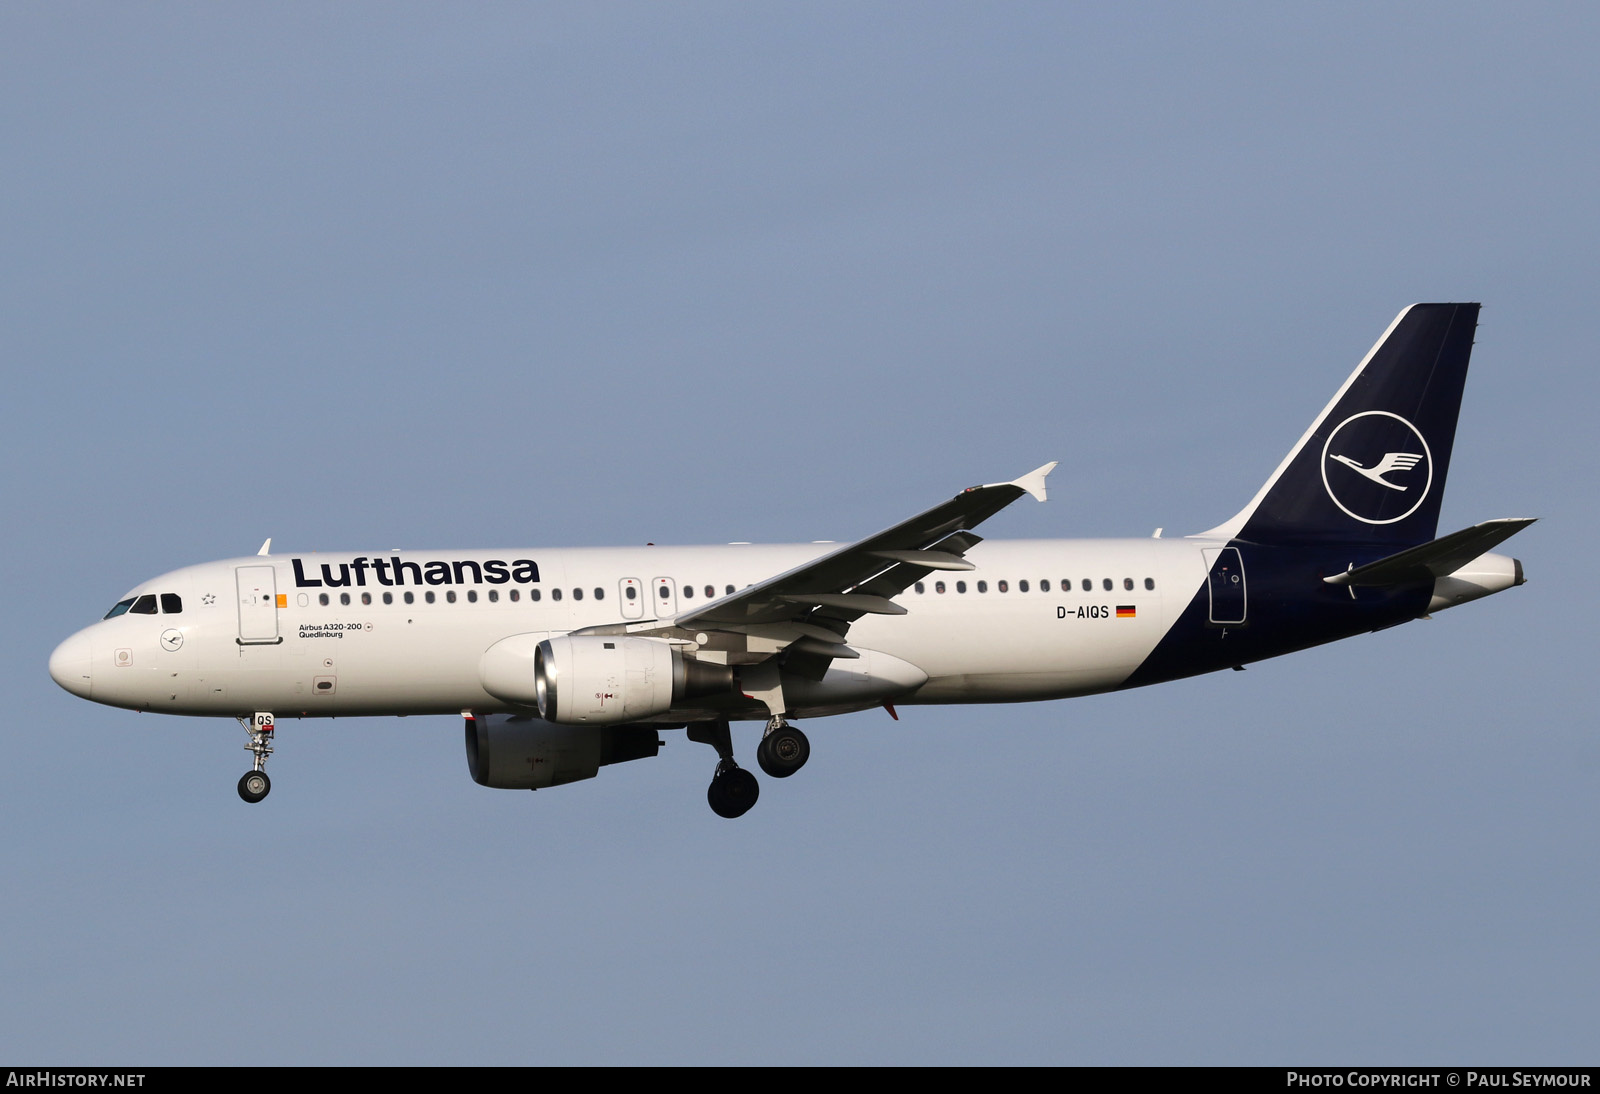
(1033, 481)
(266, 547)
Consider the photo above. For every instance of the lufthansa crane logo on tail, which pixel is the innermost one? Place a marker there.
(1392, 461)
(1376, 467)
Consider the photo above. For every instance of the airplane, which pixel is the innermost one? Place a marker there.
(563, 661)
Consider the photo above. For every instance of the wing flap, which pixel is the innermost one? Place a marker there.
(940, 529)
(806, 612)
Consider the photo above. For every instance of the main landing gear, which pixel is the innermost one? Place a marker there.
(783, 750)
(733, 790)
(254, 784)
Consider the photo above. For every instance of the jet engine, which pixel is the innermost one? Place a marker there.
(513, 752)
(600, 680)
(594, 680)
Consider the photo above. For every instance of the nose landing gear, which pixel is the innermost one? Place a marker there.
(254, 784)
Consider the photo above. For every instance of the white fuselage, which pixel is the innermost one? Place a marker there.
(1046, 624)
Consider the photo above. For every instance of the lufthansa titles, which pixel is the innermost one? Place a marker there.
(394, 571)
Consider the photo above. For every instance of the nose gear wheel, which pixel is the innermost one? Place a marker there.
(254, 784)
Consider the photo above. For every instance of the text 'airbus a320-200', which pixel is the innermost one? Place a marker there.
(563, 661)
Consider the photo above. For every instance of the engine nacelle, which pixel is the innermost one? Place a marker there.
(592, 679)
(511, 752)
(602, 680)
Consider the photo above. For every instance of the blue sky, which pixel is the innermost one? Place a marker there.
(365, 276)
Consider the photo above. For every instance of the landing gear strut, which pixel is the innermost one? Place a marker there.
(254, 784)
(733, 790)
(783, 750)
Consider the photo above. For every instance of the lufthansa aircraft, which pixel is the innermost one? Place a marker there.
(562, 661)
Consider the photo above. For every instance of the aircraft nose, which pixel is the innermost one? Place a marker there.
(70, 664)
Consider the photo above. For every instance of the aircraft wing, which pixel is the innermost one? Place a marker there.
(809, 609)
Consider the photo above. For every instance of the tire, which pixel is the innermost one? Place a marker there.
(783, 752)
(732, 793)
(254, 785)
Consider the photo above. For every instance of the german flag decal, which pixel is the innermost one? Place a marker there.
(1126, 611)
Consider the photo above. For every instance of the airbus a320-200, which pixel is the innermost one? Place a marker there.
(562, 661)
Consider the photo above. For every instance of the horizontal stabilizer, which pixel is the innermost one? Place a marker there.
(1436, 558)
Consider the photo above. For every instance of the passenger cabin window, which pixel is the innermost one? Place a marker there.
(1106, 581)
(555, 594)
(1149, 583)
(1127, 583)
(514, 596)
(322, 598)
(599, 593)
(118, 608)
(577, 594)
(1088, 585)
(631, 592)
(727, 590)
(1022, 586)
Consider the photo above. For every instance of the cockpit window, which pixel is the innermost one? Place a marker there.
(171, 603)
(145, 605)
(120, 607)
